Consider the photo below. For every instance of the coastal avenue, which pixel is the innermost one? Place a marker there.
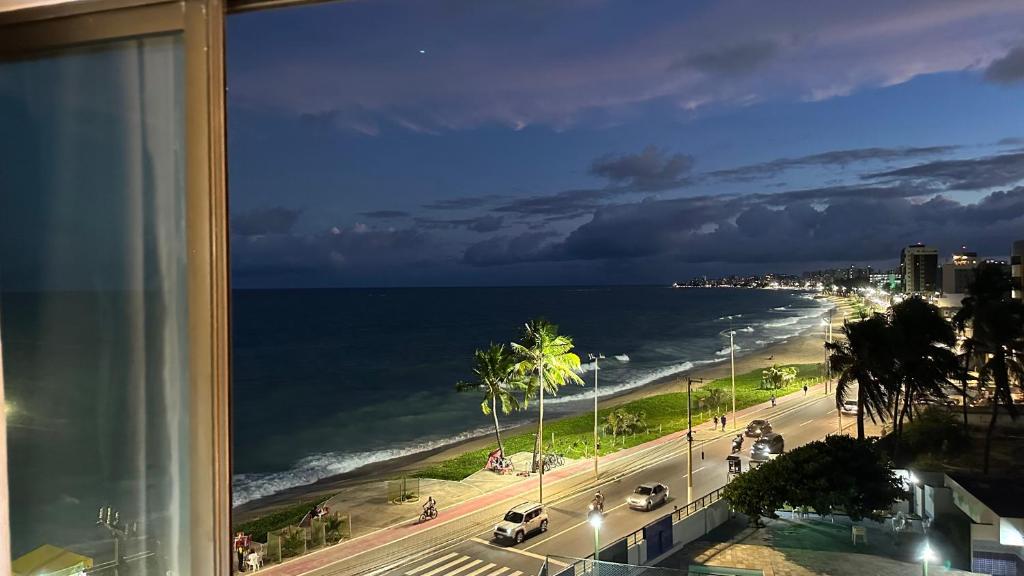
(473, 553)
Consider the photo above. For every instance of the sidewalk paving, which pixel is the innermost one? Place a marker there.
(812, 546)
(520, 490)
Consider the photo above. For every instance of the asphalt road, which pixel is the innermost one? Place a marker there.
(569, 534)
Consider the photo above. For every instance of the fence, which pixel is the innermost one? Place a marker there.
(298, 540)
(650, 543)
(403, 490)
(588, 567)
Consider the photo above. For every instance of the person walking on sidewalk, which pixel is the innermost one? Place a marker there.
(773, 399)
(723, 421)
(805, 389)
(716, 421)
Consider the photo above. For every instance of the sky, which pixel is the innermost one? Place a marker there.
(459, 142)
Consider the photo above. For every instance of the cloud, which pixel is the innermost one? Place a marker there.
(347, 72)
(503, 250)
(651, 169)
(1007, 70)
(733, 59)
(463, 203)
(748, 229)
(1010, 141)
(841, 158)
(967, 174)
(385, 214)
(263, 221)
(487, 223)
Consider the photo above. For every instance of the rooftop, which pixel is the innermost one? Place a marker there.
(1004, 495)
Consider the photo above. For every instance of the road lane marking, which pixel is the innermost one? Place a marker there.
(482, 569)
(516, 550)
(444, 567)
(465, 567)
(698, 469)
(498, 571)
(429, 564)
(516, 573)
(808, 422)
(573, 527)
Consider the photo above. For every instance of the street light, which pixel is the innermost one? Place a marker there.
(826, 324)
(689, 440)
(594, 359)
(595, 520)
(927, 555)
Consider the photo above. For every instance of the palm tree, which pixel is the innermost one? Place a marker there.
(497, 378)
(990, 285)
(922, 344)
(716, 397)
(863, 358)
(997, 337)
(546, 358)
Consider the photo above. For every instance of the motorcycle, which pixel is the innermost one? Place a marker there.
(428, 514)
(737, 444)
(596, 507)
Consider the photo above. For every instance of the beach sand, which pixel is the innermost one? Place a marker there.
(807, 348)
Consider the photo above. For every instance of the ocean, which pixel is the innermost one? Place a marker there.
(329, 380)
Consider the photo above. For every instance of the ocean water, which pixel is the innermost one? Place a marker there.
(329, 380)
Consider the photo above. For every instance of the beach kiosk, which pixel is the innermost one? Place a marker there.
(51, 561)
(735, 465)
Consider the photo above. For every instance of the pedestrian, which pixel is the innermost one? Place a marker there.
(723, 421)
(805, 389)
(773, 399)
(716, 421)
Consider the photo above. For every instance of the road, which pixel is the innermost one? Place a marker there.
(800, 420)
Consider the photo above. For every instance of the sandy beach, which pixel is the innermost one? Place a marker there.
(804, 349)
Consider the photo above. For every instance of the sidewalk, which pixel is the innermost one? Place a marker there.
(466, 518)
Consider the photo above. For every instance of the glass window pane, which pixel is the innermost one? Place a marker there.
(93, 308)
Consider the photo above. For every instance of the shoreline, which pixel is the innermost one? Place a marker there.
(803, 349)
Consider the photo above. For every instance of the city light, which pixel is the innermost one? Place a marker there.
(596, 519)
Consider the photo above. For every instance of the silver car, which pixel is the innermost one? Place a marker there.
(521, 521)
(648, 496)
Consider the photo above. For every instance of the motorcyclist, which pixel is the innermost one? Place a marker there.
(598, 502)
(737, 443)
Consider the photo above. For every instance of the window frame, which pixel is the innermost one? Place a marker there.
(38, 31)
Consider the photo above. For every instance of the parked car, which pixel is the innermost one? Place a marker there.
(849, 407)
(648, 496)
(521, 521)
(767, 447)
(757, 428)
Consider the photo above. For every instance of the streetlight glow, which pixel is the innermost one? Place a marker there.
(927, 554)
(595, 520)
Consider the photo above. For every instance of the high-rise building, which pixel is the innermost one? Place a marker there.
(919, 268)
(959, 272)
(1017, 269)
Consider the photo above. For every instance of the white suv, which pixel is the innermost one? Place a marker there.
(521, 521)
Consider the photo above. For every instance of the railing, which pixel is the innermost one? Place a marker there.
(637, 538)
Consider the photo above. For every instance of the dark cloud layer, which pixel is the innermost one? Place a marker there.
(487, 223)
(385, 214)
(650, 170)
(967, 174)
(840, 158)
(1007, 70)
(733, 59)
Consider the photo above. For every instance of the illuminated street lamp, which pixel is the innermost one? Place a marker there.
(595, 520)
(927, 555)
(594, 359)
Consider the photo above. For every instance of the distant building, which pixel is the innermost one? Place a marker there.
(995, 507)
(959, 272)
(1017, 269)
(919, 268)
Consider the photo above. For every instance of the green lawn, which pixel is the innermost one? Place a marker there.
(666, 413)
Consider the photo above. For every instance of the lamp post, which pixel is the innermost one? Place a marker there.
(594, 359)
(595, 521)
(927, 555)
(689, 439)
(826, 329)
(732, 368)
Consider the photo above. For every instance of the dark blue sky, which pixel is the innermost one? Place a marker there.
(441, 142)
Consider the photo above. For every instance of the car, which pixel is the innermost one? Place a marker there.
(648, 496)
(767, 447)
(757, 428)
(522, 521)
(849, 407)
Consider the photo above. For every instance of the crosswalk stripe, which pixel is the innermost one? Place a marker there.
(429, 564)
(444, 567)
(463, 567)
(516, 573)
(498, 571)
(481, 569)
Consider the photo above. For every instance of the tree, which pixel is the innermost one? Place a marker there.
(776, 377)
(922, 343)
(863, 359)
(497, 378)
(546, 359)
(996, 343)
(715, 397)
(758, 492)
